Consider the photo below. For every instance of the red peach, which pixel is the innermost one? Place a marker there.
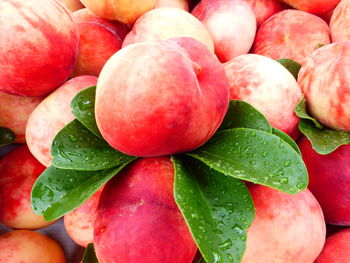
(266, 85)
(329, 177)
(138, 219)
(312, 6)
(15, 111)
(73, 5)
(39, 44)
(182, 4)
(291, 34)
(164, 23)
(286, 228)
(51, 115)
(99, 40)
(325, 82)
(263, 9)
(171, 99)
(340, 22)
(24, 246)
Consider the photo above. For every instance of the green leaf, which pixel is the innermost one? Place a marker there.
(255, 156)
(218, 209)
(89, 254)
(287, 139)
(301, 111)
(83, 108)
(6, 136)
(76, 148)
(57, 192)
(325, 140)
(241, 114)
(292, 66)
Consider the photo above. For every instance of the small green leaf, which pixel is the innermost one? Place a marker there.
(287, 139)
(83, 108)
(255, 156)
(201, 260)
(76, 148)
(301, 111)
(89, 254)
(6, 136)
(325, 140)
(218, 209)
(292, 66)
(57, 192)
(241, 114)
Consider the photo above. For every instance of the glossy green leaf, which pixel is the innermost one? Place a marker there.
(6, 136)
(218, 209)
(301, 111)
(255, 156)
(241, 114)
(76, 148)
(57, 192)
(287, 139)
(325, 140)
(89, 254)
(83, 108)
(292, 66)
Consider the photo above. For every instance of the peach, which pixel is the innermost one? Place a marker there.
(340, 22)
(231, 24)
(182, 4)
(325, 82)
(266, 85)
(18, 172)
(164, 23)
(286, 228)
(39, 45)
(125, 11)
(138, 219)
(15, 111)
(336, 249)
(312, 6)
(263, 9)
(24, 246)
(329, 177)
(291, 34)
(99, 40)
(73, 5)
(51, 115)
(79, 223)
(161, 97)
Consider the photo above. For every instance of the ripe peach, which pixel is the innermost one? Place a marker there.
(286, 228)
(263, 9)
(231, 24)
(138, 219)
(171, 99)
(24, 246)
(164, 23)
(325, 82)
(99, 40)
(329, 177)
(73, 5)
(312, 6)
(268, 86)
(291, 34)
(39, 44)
(51, 115)
(182, 4)
(340, 22)
(15, 111)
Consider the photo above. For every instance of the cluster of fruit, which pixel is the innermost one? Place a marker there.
(176, 131)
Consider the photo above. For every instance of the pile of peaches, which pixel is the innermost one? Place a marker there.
(176, 131)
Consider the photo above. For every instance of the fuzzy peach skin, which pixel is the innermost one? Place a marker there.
(39, 45)
(164, 23)
(325, 82)
(316, 7)
(125, 11)
(24, 246)
(263, 9)
(138, 219)
(231, 24)
(15, 111)
(73, 5)
(161, 97)
(291, 34)
(79, 223)
(340, 22)
(286, 228)
(182, 4)
(329, 177)
(18, 172)
(266, 85)
(51, 115)
(99, 40)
